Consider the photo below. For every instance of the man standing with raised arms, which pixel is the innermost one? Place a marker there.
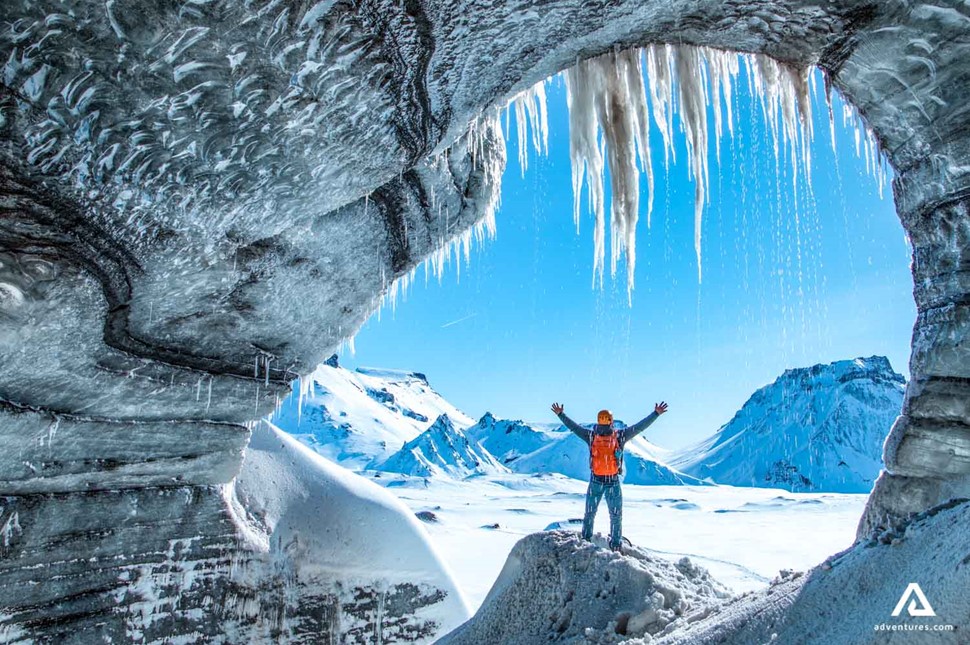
(606, 445)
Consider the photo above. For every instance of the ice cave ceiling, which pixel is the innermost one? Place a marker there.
(200, 199)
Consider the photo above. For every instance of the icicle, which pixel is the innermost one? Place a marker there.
(692, 97)
(520, 128)
(723, 69)
(530, 117)
(584, 151)
(660, 78)
(633, 69)
(256, 405)
(714, 73)
(828, 104)
(302, 387)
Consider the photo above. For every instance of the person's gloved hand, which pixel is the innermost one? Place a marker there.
(660, 408)
(557, 408)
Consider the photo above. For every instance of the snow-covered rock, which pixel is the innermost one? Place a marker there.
(814, 429)
(442, 449)
(852, 596)
(330, 538)
(359, 418)
(556, 588)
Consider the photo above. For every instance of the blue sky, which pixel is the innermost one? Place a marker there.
(787, 283)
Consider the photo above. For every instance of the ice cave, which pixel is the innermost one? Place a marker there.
(201, 199)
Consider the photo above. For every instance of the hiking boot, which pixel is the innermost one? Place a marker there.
(616, 548)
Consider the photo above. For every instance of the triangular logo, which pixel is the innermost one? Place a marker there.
(922, 609)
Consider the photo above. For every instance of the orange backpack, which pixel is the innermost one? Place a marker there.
(603, 452)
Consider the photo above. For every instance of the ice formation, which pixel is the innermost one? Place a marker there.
(530, 117)
(608, 111)
(607, 95)
(609, 129)
(484, 132)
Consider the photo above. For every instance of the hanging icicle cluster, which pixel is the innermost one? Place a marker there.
(486, 126)
(529, 108)
(608, 112)
(607, 95)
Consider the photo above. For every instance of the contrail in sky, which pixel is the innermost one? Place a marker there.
(455, 322)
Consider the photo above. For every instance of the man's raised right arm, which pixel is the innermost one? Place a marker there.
(576, 429)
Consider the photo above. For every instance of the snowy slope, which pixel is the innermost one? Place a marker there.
(551, 448)
(814, 429)
(442, 449)
(358, 418)
(328, 534)
(850, 598)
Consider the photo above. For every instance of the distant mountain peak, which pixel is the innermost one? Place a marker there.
(872, 367)
(818, 428)
(487, 419)
(443, 425)
(442, 449)
(392, 374)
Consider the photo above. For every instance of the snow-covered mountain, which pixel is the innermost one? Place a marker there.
(509, 440)
(393, 420)
(362, 417)
(814, 429)
(442, 449)
(819, 428)
(536, 448)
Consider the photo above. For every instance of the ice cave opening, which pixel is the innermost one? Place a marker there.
(615, 100)
(609, 106)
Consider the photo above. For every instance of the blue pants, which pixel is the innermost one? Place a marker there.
(614, 502)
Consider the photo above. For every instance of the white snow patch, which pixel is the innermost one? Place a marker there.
(330, 524)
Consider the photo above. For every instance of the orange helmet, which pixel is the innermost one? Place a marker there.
(604, 418)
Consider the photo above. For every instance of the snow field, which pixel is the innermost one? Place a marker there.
(744, 536)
